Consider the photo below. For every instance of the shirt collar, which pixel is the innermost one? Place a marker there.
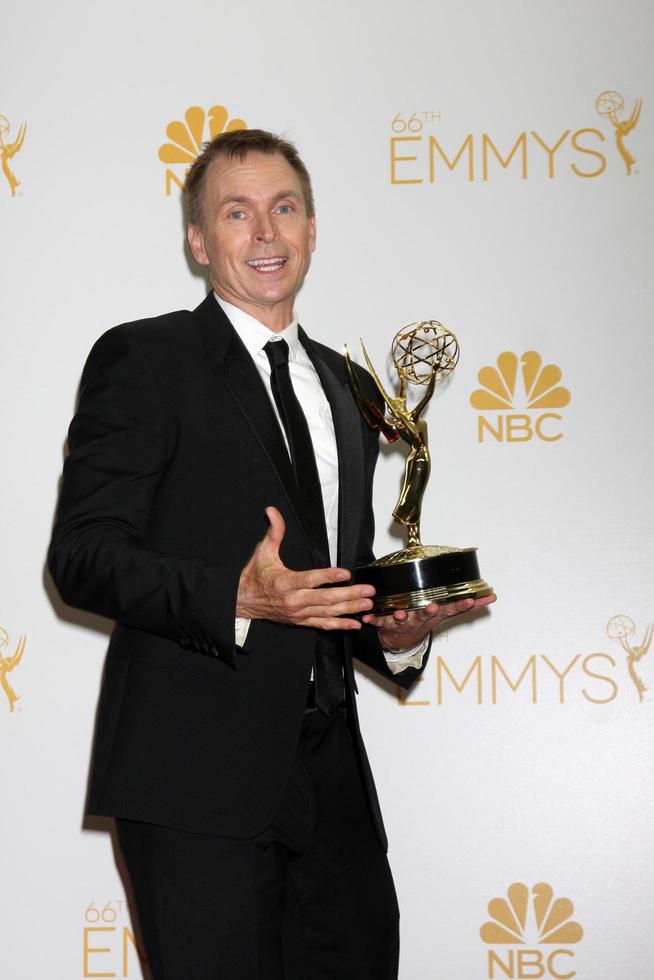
(254, 334)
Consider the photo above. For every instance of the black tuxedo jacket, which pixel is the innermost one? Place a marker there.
(175, 452)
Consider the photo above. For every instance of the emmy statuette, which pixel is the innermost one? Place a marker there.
(419, 574)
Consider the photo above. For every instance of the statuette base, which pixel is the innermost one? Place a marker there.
(417, 576)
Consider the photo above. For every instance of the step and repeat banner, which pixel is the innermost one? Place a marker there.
(487, 165)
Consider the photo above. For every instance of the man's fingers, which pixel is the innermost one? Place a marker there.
(434, 611)
(332, 623)
(306, 603)
(432, 615)
(277, 529)
(314, 578)
(466, 605)
(486, 600)
(379, 622)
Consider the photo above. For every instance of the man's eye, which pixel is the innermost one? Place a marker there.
(237, 215)
(284, 209)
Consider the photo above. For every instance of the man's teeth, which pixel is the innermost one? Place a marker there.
(267, 265)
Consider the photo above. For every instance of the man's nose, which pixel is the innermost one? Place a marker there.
(265, 230)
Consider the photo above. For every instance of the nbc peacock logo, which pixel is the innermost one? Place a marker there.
(520, 382)
(531, 918)
(186, 138)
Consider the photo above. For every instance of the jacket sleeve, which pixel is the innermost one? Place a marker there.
(119, 445)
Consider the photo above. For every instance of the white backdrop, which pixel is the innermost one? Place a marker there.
(483, 786)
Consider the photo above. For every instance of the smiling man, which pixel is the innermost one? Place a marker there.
(256, 232)
(217, 493)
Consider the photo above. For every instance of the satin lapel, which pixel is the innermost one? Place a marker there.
(227, 353)
(349, 442)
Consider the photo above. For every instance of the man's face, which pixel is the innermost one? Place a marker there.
(255, 236)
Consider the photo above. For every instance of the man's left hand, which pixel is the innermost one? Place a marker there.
(406, 628)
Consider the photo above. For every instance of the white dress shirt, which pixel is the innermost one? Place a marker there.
(312, 398)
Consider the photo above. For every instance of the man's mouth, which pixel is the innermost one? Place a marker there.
(273, 264)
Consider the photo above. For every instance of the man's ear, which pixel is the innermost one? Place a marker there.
(196, 244)
(312, 233)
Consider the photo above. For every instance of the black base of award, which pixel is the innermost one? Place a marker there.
(418, 576)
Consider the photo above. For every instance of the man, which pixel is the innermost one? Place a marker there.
(216, 493)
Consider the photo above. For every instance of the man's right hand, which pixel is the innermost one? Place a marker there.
(269, 590)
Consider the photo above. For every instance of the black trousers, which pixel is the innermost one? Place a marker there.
(311, 898)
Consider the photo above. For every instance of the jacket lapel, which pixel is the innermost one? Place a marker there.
(227, 353)
(347, 426)
(238, 372)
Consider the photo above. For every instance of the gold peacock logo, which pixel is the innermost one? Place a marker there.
(186, 138)
(500, 392)
(541, 383)
(552, 920)
(522, 923)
